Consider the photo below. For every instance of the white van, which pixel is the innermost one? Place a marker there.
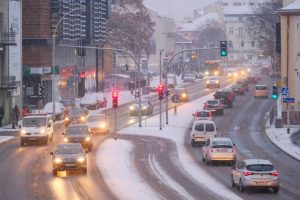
(202, 130)
(37, 129)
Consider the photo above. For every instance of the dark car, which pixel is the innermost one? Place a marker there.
(215, 106)
(79, 133)
(244, 83)
(238, 89)
(76, 115)
(69, 157)
(146, 108)
(182, 94)
(225, 97)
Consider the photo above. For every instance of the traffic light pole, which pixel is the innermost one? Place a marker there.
(115, 119)
(160, 100)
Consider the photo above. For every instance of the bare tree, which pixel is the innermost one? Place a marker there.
(262, 26)
(131, 26)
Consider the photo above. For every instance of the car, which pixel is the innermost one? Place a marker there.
(203, 115)
(219, 149)
(37, 128)
(238, 89)
(189, 77)
(225, 96)
(181, 93)
(255, 173)
(101, 100)
(213, 82)
(244, 83)
(252, 78)
(69, 156)
(232, 75)
(60, 111)
(93, 101)
(172, 82)
(98, 124)
(201, 131)
(68, 103)
(76, 115)
(146, 108)
(214, 105)
(261, 91)
(199, 75)
(79, 133)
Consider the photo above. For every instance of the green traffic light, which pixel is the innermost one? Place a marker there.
(223, 53)
(274, 96)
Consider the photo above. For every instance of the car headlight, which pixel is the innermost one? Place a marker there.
(66, 139)
(206, 73)
(82, 118)
(235, 74)
(131, 108)
(184, 95)
(58, 160)
(87, 139)
(81, 159)
(229, 75)
(207, 82)
(43, 130)
(217, 81)
(144, 107)
(67, 119)
(23, 132)
(103, 124)
(216, 73)
(242, 72)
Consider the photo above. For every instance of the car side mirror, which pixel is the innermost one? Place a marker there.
(51, 153)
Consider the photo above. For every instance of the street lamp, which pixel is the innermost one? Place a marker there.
(53, 53)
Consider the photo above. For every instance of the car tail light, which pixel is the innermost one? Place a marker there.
(211, 150)
(193, 135)
(247, 173)
(275, 173)
(233, 150)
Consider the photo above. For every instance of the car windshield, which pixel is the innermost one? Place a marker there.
(261, 87)
(212, 103)
(76, 112)
(95, 118)
(220, 94)
(143, 102)
(260, 167)
(34, 122)
(77, 130)
(212, 78)
(199, 127)
(202, 114)
(221, 144)
(179, 90)
(68, 150)
(210, 127)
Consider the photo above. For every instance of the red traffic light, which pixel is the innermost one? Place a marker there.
(82, 74)
(160, 88)
(114, 94)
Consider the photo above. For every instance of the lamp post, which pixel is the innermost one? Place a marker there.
(53, 53)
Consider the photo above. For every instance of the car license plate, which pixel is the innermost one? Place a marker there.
(70, 164)
(222, 150)
(260, 182)
(32, 139)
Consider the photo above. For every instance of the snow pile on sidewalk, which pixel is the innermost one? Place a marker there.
(5, 138)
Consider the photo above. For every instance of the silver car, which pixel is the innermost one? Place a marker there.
(255, 173)
(219, 149)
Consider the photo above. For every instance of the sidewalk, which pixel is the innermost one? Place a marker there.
(282, 139)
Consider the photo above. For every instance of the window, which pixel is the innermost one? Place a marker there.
(199, 127)
(210, 127)
(242, 44)
(230, 44)
(231, 30)
(241, 31)
(253, 44)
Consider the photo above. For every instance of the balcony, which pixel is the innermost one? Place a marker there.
(8, 82)
(8, 38)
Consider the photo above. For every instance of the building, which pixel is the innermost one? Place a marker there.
(290, 59)
(10, 55)
(70, 23)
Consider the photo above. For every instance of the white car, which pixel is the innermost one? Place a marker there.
(201, 131)
(37, 129)
(90, 101)
(60, 110)
(98, 123)
(213, 82)
(203, 115)
(219, 149)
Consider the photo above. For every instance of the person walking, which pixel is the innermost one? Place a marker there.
(14, 114)
(1, 114)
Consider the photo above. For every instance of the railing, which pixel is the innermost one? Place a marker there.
(8, 82)
(8, 38)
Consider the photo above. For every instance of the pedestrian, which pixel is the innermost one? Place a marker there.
(1, 114)
(14, 114)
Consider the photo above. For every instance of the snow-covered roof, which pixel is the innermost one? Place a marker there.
(291, 8)
(200, 22)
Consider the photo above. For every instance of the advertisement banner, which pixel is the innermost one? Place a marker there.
(15, 52)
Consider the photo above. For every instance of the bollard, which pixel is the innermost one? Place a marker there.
(175, 109)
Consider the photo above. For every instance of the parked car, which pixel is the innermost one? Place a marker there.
(79, 133)
(76, 115)
(69, 157)
(255, 173)
(181, 93)
(215, 106)
(59, 113)
(213, 82)
(261, 91)
(203, 115)
(98, 123)
(201, 131)
(219, 149)
(225, 96)
(146, 108)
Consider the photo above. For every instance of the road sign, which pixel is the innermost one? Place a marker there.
(284, 91)
(288, 100)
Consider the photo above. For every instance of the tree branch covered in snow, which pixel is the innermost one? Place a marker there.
(131, 26)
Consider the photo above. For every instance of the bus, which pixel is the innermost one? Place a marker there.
(212, 68)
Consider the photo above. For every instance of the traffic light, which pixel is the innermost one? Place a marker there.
(275, 92)
(41, 91)
(160, 90)
(223, 48)
(115, 97)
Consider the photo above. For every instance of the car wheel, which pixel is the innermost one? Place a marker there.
(241, 187)
(232, 182)
(222, 112)
(276, 189)
(22, 143)
(203, 158)
(54, 172)
(193, 143)
(85, 171)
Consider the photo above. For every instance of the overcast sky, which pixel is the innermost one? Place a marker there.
(177, 9)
